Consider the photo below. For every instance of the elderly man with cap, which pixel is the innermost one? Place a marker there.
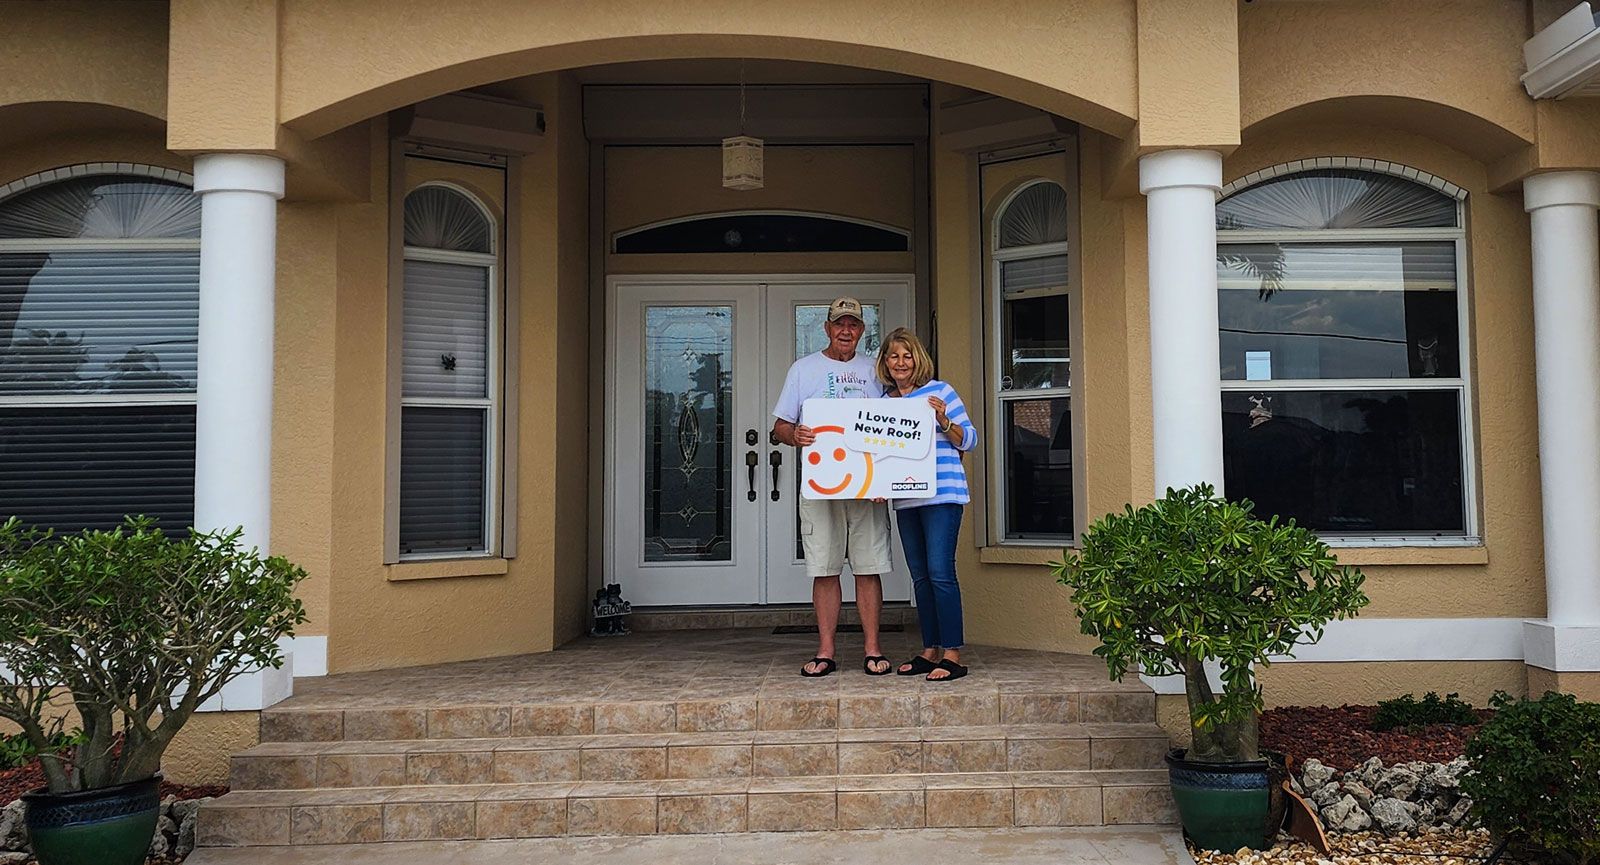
(834, 531)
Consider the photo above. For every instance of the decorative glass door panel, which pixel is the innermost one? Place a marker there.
(688, 455)
(700, 504)
(796, 312)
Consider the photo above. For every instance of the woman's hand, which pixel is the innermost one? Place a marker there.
(938, 412)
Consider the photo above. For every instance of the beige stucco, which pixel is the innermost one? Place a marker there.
(1585, 686)
(199, 753)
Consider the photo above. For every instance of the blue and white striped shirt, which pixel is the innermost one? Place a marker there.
(952, 483)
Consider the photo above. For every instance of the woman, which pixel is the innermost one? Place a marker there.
(928, 527)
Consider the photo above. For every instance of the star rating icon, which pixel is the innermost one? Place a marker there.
(888, 443)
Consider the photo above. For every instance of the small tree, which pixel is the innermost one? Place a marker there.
(1192, 577)
(135, 630)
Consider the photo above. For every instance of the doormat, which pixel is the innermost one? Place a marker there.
(843, 629)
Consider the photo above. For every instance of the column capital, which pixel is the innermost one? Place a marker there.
(1166, 169)
(1555, 188)
(238, 172)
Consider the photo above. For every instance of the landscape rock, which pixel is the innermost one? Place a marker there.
(1362, 794)
(13, 831)
(1326, 796)
(1369, 772)
(1313, 774)
(11, 857)
(161, 840)
(1346, 815)
(1394, 815)
(1399, 783)
(1458, 814)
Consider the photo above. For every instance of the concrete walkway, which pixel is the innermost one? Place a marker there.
(1089, 846)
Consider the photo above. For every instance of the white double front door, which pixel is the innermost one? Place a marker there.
(700, 501)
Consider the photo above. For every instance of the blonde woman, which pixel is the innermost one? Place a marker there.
(928, 527)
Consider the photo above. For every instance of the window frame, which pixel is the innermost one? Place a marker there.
(1461, 386)
(995, 398)
(493, 406)
(130, 171)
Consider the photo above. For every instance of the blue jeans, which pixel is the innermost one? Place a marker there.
(928, 534)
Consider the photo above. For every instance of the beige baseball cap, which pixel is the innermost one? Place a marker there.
(843, 306)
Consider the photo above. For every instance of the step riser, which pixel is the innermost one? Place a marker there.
(705, 716)
(693, 762)
(685, 814)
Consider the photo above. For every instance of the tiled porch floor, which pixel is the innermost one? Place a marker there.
(673, 666)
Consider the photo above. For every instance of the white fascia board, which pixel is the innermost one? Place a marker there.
(1563, 56)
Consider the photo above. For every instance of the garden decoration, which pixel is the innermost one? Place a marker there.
(133, 629)
(1192, 578)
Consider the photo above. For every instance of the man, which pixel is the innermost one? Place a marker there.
(833, 531)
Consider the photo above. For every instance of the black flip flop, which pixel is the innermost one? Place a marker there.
(956, 671)
(919, 666)
(828, 666)
(866, 665)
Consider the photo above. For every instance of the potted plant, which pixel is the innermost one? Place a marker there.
(131, 630)
(1193, 577)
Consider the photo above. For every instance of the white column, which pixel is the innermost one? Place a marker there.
(239, 195)
(1566, 318)
(1181, 187)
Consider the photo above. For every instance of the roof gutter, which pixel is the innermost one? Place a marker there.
(1564, 58)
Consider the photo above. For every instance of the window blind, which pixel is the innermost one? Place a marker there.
(442, 454)
(446, 330)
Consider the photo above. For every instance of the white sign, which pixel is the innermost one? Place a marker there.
(869, 449)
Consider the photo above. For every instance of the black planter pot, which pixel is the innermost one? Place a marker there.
(108, 826)
(1225, 806)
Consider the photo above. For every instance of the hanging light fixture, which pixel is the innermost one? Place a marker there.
(743, 163)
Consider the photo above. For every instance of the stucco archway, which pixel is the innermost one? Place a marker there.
(341, 65)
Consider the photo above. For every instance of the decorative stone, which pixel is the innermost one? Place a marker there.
(1346, 816)
(15, 857)
(1400, 783)
(1362, 794)
(1459, 815)
(13, 831)
(161, 839)
(1314, 774)
(1368, 772)
(1394, 816)
(1326, 795)
(189, 811)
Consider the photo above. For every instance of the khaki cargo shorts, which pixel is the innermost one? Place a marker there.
(839, 530)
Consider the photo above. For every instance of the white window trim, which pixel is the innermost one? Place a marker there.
(996, 398)
(1461, 385)
(494, 360)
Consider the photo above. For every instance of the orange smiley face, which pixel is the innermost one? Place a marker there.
(842, 458)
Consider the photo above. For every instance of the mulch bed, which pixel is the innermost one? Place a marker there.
(1342, 737)
(22, 779)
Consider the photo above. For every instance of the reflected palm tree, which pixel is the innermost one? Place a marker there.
(1264, 262)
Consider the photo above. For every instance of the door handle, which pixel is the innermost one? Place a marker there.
(751, 460)
(775, 458)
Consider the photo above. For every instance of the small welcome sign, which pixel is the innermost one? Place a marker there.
(869, 449)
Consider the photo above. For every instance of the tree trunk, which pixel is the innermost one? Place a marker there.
(1223, 742)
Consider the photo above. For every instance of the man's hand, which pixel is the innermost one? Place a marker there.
(803, 436)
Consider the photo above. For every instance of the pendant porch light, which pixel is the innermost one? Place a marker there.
(743, 163)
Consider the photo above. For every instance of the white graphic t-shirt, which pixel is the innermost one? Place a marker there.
(817, 376)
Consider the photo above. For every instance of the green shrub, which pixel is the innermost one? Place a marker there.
(1535, 776)
(1192, 577)
(135, 629)
(18, 750)
(1407, 712)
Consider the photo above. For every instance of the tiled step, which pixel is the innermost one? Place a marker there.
(722, 708)
(649, 757)
(828, 802)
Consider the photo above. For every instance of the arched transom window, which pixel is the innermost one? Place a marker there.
(1343, 344)
(99, 316)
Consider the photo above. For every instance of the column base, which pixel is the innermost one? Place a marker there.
(1561, 648)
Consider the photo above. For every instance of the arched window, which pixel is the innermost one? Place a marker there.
(1343, 344)
(449, 378)
(763, 231)
(99, 317)
(1031, 382)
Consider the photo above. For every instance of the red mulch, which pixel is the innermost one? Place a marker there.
(1343, 737)
(23, 779)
